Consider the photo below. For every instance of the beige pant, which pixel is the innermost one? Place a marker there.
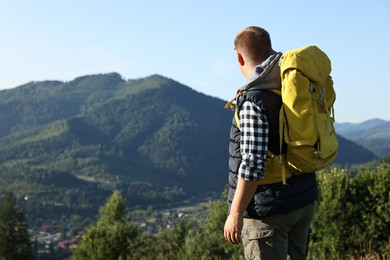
(283, 236)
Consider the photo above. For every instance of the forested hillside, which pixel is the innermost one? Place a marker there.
(153, 138)
(67, 145)
(352, 153)
(374, 135)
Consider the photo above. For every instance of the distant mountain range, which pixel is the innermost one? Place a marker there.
(69, 144)
(373, 134)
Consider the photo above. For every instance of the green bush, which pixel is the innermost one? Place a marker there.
(352, 215)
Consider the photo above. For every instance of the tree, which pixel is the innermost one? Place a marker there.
(14, 238)
(352, 219)
(166, 245)
(111, 236)
(208, 242)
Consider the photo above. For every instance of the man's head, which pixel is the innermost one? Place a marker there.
(253, 44)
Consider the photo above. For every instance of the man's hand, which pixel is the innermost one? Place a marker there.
(234, 222)
(232, 229)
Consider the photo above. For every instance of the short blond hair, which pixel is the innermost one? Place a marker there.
(254, 42)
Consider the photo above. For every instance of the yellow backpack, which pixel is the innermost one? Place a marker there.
(306, 117)
(307, 113)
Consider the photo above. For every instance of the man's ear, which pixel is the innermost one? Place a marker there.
(240, 59)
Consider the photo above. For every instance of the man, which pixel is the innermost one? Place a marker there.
(272, 219)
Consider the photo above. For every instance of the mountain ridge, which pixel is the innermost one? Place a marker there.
(345, 128)
(156, 140)
(100, 138)
(373, 135)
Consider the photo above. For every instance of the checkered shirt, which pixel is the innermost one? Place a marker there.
(253, 142)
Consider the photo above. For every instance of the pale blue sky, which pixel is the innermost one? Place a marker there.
(192, 42)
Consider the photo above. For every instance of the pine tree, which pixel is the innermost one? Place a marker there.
(14, 238)
(111, 236)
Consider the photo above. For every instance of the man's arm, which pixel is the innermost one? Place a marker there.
(253, 146)
(243, 195)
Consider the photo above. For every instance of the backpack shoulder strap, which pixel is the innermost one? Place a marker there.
(276, 91)
(232, 104)
(237, 119)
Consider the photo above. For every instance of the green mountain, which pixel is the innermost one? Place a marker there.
(67, 145)
(352, 153)
(72, 143)
(373, 135)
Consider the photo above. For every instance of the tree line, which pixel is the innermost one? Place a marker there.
(351, 221)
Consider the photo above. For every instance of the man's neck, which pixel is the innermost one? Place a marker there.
(247, 69)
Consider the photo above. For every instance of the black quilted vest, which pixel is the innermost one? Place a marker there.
(274, 198)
